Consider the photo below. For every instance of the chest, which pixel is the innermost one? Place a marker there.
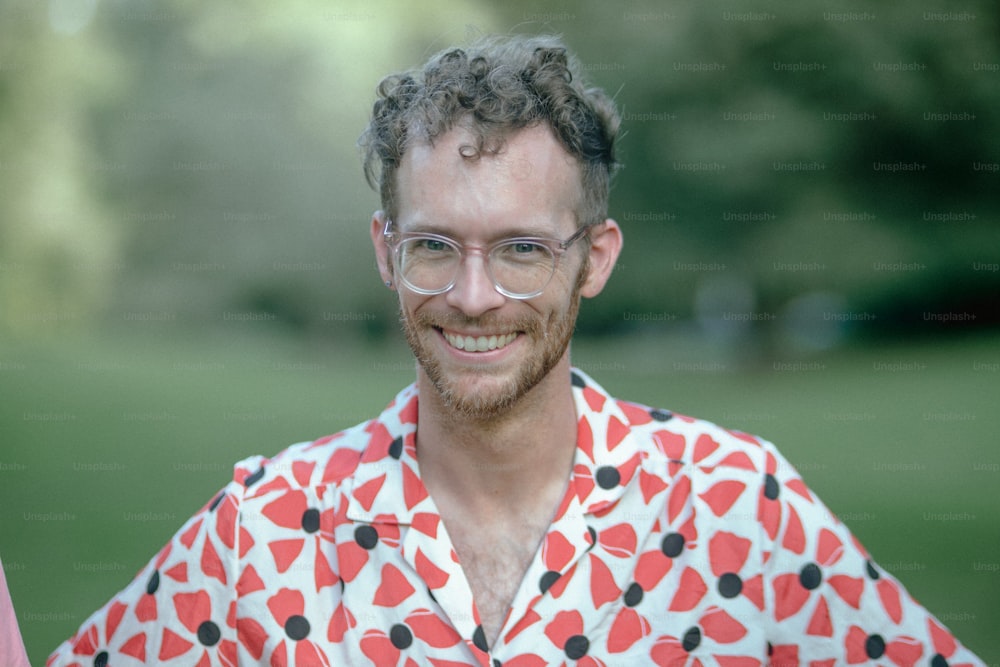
(494, 558)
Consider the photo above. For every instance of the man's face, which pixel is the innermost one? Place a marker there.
(531, 188)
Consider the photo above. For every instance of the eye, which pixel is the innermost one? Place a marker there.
(430, 245)
(522, 252)
(525, 247)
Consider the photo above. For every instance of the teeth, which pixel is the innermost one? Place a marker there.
(480, 344)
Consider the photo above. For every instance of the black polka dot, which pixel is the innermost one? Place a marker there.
(730, 585)
(633, 595)
(576, 647)
(810, 576)
(691, 638)
(771, 487)
(497, 663)
(396, 448)
(872, 570)
(577, 381)
(661, 415)
(366, 537)
(310, 520)
(154, 582)
(479, 639)
(400, 636)
(672, 545)
(549, 578)
(608, 477)
(215, 503)
(938, 661)
(430, 594)
(252, 479)
(874, 646)
(297, 627)
(209, 633)
(101, 659)
(593, 537)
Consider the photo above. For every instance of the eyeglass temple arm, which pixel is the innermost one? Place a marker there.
(576, 236)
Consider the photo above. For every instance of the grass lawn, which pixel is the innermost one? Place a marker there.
(107, 446)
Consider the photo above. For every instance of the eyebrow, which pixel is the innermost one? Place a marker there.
(518, 232)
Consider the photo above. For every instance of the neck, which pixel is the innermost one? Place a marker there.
(505, 462)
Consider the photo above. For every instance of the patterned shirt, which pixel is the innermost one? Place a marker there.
(677, 543)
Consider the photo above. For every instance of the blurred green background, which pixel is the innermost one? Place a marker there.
(809, 197)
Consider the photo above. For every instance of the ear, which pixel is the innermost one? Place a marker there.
(381, 249)
(605, 246)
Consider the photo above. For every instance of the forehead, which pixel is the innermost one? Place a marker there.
(530, 180)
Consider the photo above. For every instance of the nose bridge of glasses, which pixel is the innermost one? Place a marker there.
(473, 265)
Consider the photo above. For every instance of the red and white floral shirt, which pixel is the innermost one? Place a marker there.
(677, 543)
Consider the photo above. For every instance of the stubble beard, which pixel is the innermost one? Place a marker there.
(549, 341)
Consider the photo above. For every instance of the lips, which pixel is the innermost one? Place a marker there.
(478, 343)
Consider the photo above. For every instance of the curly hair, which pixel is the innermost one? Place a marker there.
(494, 87)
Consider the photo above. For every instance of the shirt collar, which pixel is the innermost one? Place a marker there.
(386, 484)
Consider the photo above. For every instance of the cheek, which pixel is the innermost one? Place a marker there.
(410, 303)
(571, 277)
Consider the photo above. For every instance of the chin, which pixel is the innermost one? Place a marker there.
(480, 397)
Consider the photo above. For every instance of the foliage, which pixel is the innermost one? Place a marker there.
(792, 174)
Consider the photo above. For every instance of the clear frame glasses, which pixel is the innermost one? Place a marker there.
(520, 267)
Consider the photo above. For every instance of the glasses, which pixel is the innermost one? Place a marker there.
(520, 268)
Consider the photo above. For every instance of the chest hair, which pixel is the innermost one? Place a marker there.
(494, 559)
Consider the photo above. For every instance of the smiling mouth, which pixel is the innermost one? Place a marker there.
(478, 343)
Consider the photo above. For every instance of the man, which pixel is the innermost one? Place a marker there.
(504, 510)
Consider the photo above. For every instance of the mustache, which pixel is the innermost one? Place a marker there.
(487, 322)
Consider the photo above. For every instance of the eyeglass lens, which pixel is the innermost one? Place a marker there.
(516, 267)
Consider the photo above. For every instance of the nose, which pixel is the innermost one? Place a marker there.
(474, 292)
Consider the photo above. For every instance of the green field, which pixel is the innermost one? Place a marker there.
(107, 446)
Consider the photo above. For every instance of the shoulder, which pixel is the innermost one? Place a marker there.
(680, 437)
(331, 459)
(325, 461)
(736, 476)
(667, 437)
(711, 455)
(691, 441)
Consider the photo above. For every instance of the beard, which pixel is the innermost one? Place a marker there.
(548, 339)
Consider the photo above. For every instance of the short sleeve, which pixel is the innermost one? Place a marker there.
(828, 599)
(180, 606)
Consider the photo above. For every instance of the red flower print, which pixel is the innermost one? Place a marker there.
(97, 635)
(421, 625)
(727, 554)
(715, 623)
(352, 555)
(194, 611)
(862, 647)
(629, 626)
(768, 509)
(146, 608)
(566, 633)
(291, 511)
(287, 607)
(793, 590)
(944, 644)
(888, 593)
(721, 496)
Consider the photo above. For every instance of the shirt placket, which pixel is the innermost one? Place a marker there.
(431, 555)
(533, 601)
